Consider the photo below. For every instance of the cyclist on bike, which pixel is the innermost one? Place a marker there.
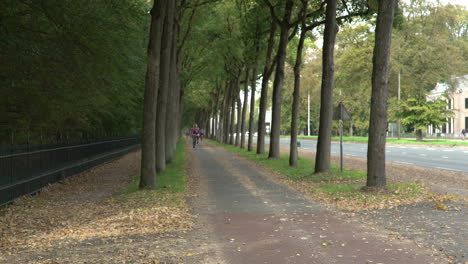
(195, 134)
(202, 134)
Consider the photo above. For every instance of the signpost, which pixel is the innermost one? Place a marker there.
(341, 114)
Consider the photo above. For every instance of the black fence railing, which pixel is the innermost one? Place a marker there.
(25, 169)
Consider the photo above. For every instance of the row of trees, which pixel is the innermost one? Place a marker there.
(71, 68)
(262, 29)
(245, 43)
(171, 24)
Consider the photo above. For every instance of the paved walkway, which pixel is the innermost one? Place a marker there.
(255, 220)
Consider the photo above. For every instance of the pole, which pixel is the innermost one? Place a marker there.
(399, 121)
(308, 113)
(341, 136)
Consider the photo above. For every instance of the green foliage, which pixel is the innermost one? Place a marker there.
(72, 67)
(225, 37)
(429, 45)
(421, 113)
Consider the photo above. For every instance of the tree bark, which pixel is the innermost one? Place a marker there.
(380, 74)
(172, 100)
(215, 112)
(322, 158)
(274, 151)
(267, 70)
(296, 98)
(252, 108)
(227, 112)
(148, 145)
(419, 135)
(234, 95)
(244, 107)
(166, 55)
(239, 117)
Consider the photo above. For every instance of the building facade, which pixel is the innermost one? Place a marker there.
(458, 101)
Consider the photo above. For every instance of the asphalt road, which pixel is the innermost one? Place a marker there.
(454, 159)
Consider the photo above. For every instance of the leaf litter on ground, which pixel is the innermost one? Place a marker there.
(90, 206)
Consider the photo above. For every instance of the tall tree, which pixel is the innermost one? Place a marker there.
(322, 158)
(148, 146)
(380, 74)
(165, 81)
(284, 25)
(244, 107)
(296, 94)
(267, 71)
(252, 108)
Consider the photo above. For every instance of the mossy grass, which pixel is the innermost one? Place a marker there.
(357, 191)
(345, 189)
(171, 183)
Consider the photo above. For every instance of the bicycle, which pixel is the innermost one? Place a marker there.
(195, 140)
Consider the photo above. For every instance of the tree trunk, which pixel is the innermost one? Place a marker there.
(252, 108)
(295, 106)
(419, 135)
(227, 112)
(234, 94)
(220, 133)
(215, 112)
(172, 100)
(244, 107)
(278, 82)
(380, 74)
(238, 123)
(322, 158)
(267, 70)
(148, 145)
(166, 56)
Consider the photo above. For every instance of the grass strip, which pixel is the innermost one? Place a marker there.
(395, 141)
(170, 183)
(342, 189)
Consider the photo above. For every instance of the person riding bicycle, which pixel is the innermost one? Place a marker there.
(202, 134)
(195, 134)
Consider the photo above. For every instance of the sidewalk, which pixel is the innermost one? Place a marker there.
(255, 220)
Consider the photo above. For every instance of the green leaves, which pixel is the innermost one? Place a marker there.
(421, 113)
(72, 65)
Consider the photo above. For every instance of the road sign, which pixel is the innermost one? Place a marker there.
(341, 111)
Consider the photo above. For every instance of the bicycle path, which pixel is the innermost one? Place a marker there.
(253, 219)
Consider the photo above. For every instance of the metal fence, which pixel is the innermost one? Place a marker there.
(25, 169)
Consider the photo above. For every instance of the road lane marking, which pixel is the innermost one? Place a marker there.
(422, 155)
(448, 150)
(465, 151)
(442, 168)
(445, 157)
(402, 162)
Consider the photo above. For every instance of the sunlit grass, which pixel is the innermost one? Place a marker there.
(303, 171)
(343, 189)
(171, 183)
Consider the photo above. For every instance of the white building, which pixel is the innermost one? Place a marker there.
(458, 101)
